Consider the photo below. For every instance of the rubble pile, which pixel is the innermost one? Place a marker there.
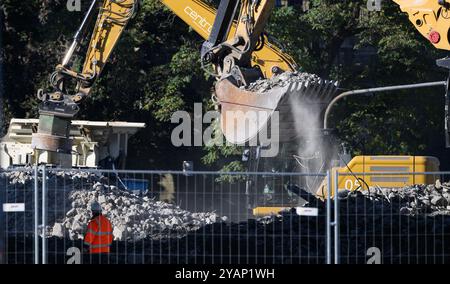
(25, 176)
(133, 217)
(70, 194)
(433, 199)
(365, 223)
(408, 225)
(19, 177)
(281, 80)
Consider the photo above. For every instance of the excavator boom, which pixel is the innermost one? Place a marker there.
(236, 46)
(431, 18)
(239, 48)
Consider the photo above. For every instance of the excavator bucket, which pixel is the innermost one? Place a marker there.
(297, 99)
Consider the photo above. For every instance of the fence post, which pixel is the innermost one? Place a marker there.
(3, 225)
(336, 219)
(36, 214)
(44, 215)
(329, 185)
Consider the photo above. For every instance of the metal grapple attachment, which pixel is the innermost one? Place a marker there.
(293, 98)
(55, 117)
(53, 134)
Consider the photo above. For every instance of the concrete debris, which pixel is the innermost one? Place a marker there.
(264, 85)
(58, 230)
(19, 177)
(438, 184)
(437, 201)
(406, 224)
(286, 239)
(413, 200)
(119, 232)
(133, 217)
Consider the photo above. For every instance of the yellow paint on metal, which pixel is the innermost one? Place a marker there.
(111, 22)
(267, 211)
(200, 17)
(364, 168)
(428, 16)
(115, 15)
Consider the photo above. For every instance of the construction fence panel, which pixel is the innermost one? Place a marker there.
(406, 224)
(17, 216)
(186, 217)
(196, 218)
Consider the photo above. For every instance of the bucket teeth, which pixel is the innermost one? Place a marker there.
(322, 91)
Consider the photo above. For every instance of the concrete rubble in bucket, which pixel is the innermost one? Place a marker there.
(281, 80)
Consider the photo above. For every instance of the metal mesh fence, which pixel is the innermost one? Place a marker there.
(385, 224)
(17, 218)
(224, 218)
(174, 217)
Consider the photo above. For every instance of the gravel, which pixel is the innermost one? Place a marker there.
(414, 200)
(281, 80)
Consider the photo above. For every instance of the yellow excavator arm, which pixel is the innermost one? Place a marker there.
(235, 46)
(431, 18)
(201, 17)
(113, 17)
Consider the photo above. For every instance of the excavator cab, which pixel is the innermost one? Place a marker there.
(292, 178)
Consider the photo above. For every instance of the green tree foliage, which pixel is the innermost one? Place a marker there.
(33, 35)
(408, 122)
(153, 71)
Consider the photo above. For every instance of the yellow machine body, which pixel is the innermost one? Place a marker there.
(364, 172)
(430, 18)
(373, 171)
(268, 211)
